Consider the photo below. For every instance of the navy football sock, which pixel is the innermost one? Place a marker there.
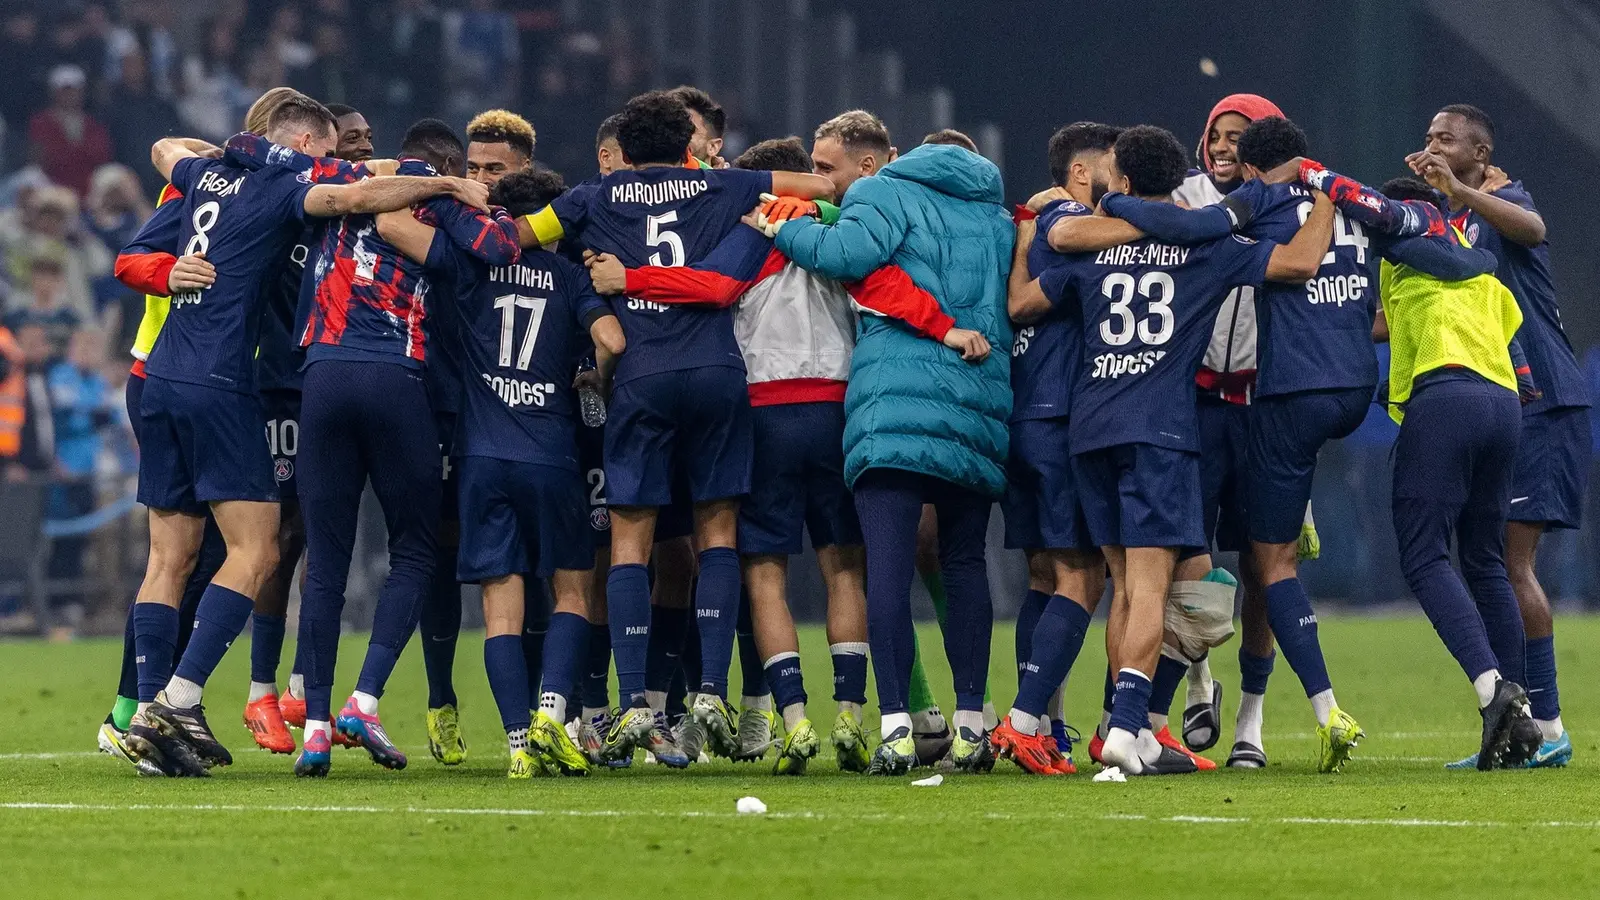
(849, 672)
(1295, 627)
(266, 647)
(668, 625)
(594, 689)
(502, 659)
(1169, 674)
(128, 678)
(1108, 697)
(751, 667)
(563, 652)
(783, 674)
(535, 626)
(1027, 620)
(716, 609)
(440, 627)
(1541, 666)
(155, 635)
(628, 606)
(1056, 642)
(1254, 671)
(218, 620)
(1130, 710)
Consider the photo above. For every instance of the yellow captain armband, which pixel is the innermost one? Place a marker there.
(546, 226)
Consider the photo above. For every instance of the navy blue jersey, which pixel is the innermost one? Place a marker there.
(521, 330)
(671, 216)
(1317, 335)
(1045, 355)
(279, 359)
(1147, 309)
(1526, 271)
(244, 222)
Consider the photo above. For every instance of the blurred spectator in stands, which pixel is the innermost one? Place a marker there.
(286, 37)
(137, 117)
(562, 122)
(43, 304)
(116, 207)
(402, 54)
(66, 141)
(332, 77)
(13, 397)
(24, 64)
(213, 90)
(484, 56)
(81, 406)
(47, 224)
(38, 453)
(150, 30)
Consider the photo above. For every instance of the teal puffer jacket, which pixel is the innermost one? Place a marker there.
(936, 215)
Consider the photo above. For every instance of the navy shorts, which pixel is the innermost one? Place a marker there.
(1041, 505)
(691, 426)
(673, 521)
(1224, 447)
(798, 481)
(282, 409)
(1140, 495)
(1286, 433)
(520, 517)
(444, 423)
(201, 445)
(1552, 468)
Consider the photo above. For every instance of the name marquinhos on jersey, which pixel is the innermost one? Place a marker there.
(1336, 289)
(662, 192)
(1161, 256)
(523, 276)
(1116, 365)
(214, 183)
(515, 392)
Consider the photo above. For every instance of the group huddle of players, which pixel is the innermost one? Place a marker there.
(617, 406)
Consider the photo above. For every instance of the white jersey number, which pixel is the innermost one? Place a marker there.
(656, 236)
(1121, 325)
(508, 304)
(205, 218)
(1345, 234)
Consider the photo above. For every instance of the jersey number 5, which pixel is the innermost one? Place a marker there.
(1121, 325)
(656, 236)
(508, 304)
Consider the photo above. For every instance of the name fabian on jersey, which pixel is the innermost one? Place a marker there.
(213, 183)
(1162, 256)
(652, 194)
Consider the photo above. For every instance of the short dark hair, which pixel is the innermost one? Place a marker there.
(499, 126)
(1411, 188)
(655, 128)
(1071, 140)
(710, 110)
(1271, 141)
(302, 114)
(952, 137)
(1152, 159)
(777, 155)
(859, 132)
(608, 130)
(340, 110)
(436, 144)
(525, 193)
(1475, 117)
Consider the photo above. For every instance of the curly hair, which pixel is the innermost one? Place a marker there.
(777, 155)
(1152, 159)
(655, 128)
(1272, 141)
(500, 126)
(524, 193)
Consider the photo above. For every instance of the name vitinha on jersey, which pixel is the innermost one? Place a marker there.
(661, 192)
(523, 276)
(1162, 256)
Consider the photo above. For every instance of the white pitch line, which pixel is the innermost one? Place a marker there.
(698, 814)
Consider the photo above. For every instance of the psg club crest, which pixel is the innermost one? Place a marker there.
(282, 469)
(600, 519)
(1472, 234)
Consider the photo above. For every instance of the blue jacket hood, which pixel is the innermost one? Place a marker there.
(950, 170)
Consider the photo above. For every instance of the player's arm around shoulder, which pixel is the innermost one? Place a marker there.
(1083, 234)
(1300, 259)
(378, 195)
(400, 228)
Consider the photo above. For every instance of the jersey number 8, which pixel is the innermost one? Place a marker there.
(1119, 328)
(205, 218)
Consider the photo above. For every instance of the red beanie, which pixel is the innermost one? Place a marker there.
(1251, 106)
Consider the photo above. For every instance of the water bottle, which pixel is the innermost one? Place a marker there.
(591, 406)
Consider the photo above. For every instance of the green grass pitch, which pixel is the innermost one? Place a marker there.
(1394, 824)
